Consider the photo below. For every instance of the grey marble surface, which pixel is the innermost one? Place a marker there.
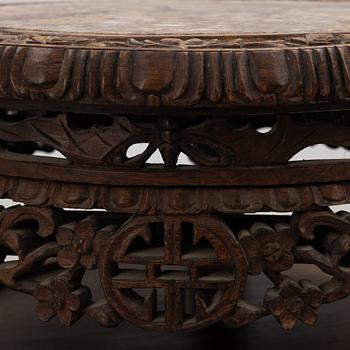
(180, 17)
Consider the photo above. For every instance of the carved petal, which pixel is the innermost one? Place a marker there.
(68, 257)
(250, 246)
(284, 263)
(309, 316)
(73, 302)
(60, 288)
(42, 293)
(287, 320)
(256, 265)
(287, 238)
(65, 235)
(44, 312)
(263, 233)
(67, 317)
(85, 233)
(290, 288)
(89, 261)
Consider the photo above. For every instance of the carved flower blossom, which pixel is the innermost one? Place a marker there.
(293, 301)
(268, 247)
(59, 297)
(81, 243)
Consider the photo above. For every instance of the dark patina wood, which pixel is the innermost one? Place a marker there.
(239, 88)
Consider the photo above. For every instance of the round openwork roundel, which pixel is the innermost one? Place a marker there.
(173, 273)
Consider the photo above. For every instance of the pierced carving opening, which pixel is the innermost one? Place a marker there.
(261, 123)
(174, 272)
(13, 116)
(345, 262)
(190, 277)
(149, 243)
(28, 147)
(309, 272)
(121, 141)
(30, 225)
(9, 258)
(37, 149)
(136, 149)
(7, 255)
(216, 274)
(321, 152)
(338, 118)
(183, 159)
(199, 300)
(155, 158)
(127, 272)
(264, 129)
(195, 246)
(84, 121)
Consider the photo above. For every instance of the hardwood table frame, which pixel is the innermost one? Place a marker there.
(174, 244)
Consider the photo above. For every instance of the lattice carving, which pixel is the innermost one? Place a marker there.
(173, 273)
(183, 257)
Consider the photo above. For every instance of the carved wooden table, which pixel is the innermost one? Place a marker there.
(202, 78)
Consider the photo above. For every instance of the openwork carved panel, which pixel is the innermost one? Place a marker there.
(104, 140)
(174, 240)
(173, 273)
(195, 262)
(174, 250)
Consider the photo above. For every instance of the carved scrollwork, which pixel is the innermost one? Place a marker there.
(29, 233)
(330, 254)
(174, 273)
(103, 140)
(320, 238)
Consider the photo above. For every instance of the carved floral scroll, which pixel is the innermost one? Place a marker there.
(145, 261)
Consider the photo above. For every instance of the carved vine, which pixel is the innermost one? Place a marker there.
(200, 258)
(28, 233)
(211, 142)
(322, 238)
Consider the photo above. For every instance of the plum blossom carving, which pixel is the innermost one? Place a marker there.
(81, 243)
(268, 247)
(291, 301)
(59, 297)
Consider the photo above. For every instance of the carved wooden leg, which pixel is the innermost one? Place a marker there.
(173, 247)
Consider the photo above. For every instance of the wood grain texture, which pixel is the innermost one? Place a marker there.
(207, 142)
(182, 78)
(237, 87)
(173, 272)
(172, 200)
(251, 53)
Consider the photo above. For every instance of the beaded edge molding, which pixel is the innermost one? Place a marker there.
(190, 42)
(141, 199)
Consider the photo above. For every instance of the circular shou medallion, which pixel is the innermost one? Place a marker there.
(174, 273)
